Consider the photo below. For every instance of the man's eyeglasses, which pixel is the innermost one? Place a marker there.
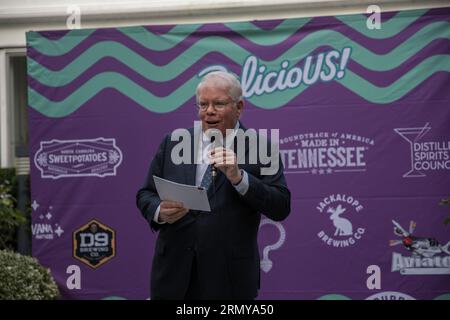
(217, 105)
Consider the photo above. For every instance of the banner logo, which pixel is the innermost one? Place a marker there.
(324, 153)
(340, 209)
(428, 256)
(265, 263)
(425, 155)
(78, 158)
(94, 244)
(258, 78)
(44, 228)
(390, 295)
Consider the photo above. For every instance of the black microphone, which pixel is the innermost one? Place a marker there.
(213, 168)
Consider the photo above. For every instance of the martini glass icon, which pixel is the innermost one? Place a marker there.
(412, 135)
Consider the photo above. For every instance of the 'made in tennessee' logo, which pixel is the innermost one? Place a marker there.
(94, 244)
(78, 158)
(324, 153)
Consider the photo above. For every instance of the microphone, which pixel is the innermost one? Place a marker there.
(213, 168)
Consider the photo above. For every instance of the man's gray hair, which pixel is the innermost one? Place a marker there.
(225, 79)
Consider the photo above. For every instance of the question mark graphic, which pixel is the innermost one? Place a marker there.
(266, 264)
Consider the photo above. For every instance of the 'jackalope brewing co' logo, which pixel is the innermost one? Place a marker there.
(340, 209)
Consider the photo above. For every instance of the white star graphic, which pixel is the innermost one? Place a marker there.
(48, 215)
(35, 205)
(59, 231)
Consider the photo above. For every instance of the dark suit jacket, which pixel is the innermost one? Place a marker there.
(224, 241)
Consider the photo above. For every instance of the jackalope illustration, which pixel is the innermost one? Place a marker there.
(343, 226)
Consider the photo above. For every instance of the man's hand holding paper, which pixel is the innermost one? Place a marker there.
(181, 196)
(171, 211)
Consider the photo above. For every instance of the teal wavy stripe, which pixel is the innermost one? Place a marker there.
(120, 83)
(140, 34)
(247, 29)
(155, 42)
(388, 29)
(57, 47)
(236, 53)
(167, 41)
(272, 37)
(353, 82)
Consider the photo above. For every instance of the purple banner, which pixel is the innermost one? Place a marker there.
(364, 128)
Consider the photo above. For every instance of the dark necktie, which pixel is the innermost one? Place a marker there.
(207, 178)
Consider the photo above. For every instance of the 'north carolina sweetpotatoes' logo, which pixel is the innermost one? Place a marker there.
(98, 157)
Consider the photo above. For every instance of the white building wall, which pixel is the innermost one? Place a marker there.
(19, 16)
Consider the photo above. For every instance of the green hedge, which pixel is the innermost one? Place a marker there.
(23, 278)
(10, 216)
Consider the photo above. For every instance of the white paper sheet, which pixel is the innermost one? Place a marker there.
(192, 197)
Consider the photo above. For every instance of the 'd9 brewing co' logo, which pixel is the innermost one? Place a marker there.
(94, 244)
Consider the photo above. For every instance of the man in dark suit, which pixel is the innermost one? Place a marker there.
(212, 255)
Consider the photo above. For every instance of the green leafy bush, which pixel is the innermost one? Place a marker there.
(10, 217)
(23, 278)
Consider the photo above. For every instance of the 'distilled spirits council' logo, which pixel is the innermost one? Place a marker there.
(425, 155)
(57, 159)
(324, 153)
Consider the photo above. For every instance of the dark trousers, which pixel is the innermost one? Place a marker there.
(195, 292)
(194, 289)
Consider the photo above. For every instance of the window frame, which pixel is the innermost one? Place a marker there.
(7, 119)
